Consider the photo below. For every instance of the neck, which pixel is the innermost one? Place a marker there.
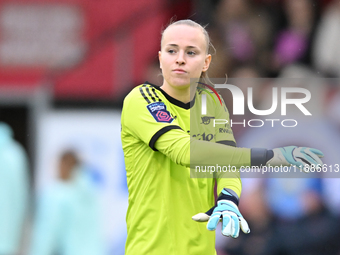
(184, 95)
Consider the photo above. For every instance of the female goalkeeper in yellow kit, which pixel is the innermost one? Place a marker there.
(165, 203)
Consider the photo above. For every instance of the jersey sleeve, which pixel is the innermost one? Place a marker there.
(223, 131)
(145, 116)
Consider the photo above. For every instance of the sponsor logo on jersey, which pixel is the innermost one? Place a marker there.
(159, 112)
(225, 130)
(204, 136)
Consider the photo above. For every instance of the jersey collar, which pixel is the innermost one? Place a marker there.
(174, 100)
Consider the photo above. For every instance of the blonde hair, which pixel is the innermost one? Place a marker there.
(209, 47)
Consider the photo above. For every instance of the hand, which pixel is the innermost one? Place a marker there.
(232, 219)
(297, 156)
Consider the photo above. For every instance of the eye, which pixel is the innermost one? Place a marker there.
(191, 53)
(171, 51)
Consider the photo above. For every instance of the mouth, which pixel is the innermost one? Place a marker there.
(179, 71)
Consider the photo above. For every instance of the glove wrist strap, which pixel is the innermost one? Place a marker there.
(260, 157)
(228, 194)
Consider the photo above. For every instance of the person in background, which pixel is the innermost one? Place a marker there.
(314, 231)
(262, 221)
(67, 218)
(246, 30)
(326, 51)
(13, 191)
(293, 43)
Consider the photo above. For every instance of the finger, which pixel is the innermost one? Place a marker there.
(312, 157)
(235, 226)
(317, 152)
(316, 155)
(213, 221)
(305, 157)
(244, 225)
(318, 163)
(226, 224)
(201, 217)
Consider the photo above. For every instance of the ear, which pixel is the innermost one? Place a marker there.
(159, 58)
(206, 63)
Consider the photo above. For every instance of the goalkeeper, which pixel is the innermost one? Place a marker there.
(166, 206)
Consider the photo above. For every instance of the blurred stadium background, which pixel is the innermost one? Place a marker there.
(66, 66)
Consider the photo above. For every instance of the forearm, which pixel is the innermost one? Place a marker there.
(191, 152)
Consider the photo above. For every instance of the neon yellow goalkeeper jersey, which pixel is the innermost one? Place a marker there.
(162, 196)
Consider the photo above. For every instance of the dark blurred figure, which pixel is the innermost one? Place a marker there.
(287, 217)
(246, 31)
(67, 220)
(316, 232)
(14, 183)
(261, 223)
(293, 43)
(326, 52)
(244, 77)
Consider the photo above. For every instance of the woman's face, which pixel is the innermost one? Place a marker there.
(183, 55)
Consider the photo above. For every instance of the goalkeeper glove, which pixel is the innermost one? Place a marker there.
(227, 210)
(297, 156)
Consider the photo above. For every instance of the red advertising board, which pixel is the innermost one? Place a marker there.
(85, 49)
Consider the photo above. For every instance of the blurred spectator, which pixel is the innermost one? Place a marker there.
(287, 198)
(326, 53)
(13, 191)
(244, 77)
(302, 76)
(332, 185)
(247, 76)
(333, 107)
(67, 219)
(315, 232)
(246, 31)
(222, 62)
(311, 230)
(293, 43)
(261, 223)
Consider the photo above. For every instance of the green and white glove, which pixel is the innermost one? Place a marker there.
(296, 156)
(227, 211)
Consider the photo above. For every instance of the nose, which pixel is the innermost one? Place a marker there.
(180, 58)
